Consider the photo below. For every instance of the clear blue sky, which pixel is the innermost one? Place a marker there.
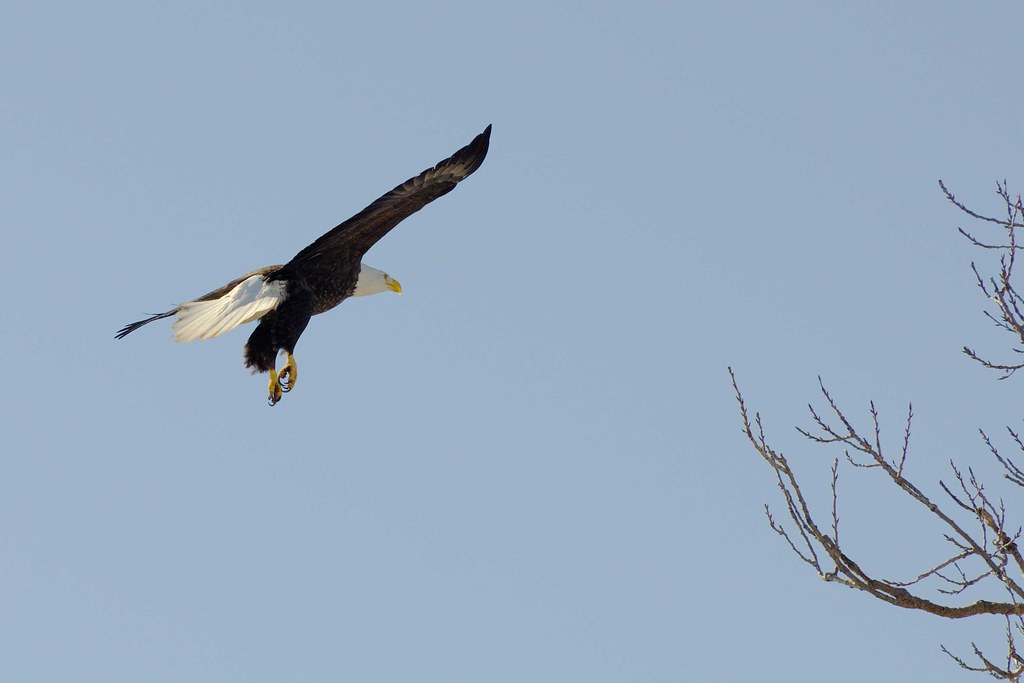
(529, 466)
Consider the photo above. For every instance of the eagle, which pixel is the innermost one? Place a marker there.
(284, 297)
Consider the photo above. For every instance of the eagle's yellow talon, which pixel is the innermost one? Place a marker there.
(289, 373)
(275, 389)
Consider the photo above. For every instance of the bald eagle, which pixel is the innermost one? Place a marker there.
(318, 278)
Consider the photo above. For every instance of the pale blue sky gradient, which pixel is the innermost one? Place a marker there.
(529, 466)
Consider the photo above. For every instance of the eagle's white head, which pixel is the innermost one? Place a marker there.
(373, 281)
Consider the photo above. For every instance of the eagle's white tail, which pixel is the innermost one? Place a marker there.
(250, 300)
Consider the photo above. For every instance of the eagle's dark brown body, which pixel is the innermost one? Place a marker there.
(312, 291)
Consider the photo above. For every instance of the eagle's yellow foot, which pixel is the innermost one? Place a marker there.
(289, 373)
(276, 392)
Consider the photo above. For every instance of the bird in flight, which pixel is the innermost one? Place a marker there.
(318, 278)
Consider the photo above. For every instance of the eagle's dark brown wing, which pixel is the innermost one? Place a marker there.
(350, 240)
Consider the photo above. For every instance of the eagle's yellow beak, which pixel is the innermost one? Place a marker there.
(393, 284)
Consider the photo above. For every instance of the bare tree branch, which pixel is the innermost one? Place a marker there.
(984, 559)
(999, 289)
(1000, 189)
(846, 570)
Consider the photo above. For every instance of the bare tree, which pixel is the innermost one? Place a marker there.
(982, 572)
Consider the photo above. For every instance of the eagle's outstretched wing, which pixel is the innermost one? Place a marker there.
(354, 237)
